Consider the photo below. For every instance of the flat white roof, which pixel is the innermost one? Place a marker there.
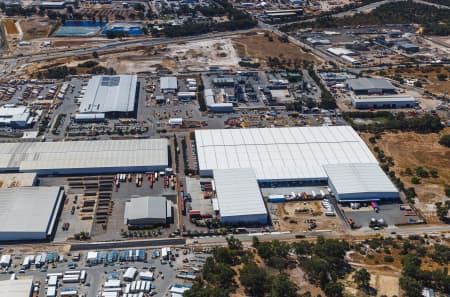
(10, 114)
(281, 153)
(339, 51)
(359, 178)
(16, 288)
(34, 156)
(28, 209)
(238, 192)
(109, 93)
(168, 83)
(146, 207)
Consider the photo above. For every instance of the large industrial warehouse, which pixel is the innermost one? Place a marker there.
(386, 101)
(367, 86)
(300, 155)
(85, 157)
(360, 182)
(29, 213)
(239, 197)
(111, 95)
(277, 154)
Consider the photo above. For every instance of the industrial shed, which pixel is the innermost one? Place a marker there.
(15, 116)
(281, 154)
(29, 213)
(168, 84)
(239, 197)
(148, 211)
(85, 157)
(360, 182)
(113, 95)
(367, 86)
(216, 107)
(387, 101)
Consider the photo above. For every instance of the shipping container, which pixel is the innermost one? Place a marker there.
(277, 198)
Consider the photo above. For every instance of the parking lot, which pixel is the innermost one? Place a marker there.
(390, 213)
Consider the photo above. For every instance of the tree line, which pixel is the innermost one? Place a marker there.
(426, 123)
(434, 20)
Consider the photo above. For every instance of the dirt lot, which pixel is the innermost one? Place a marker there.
(427, 74)
(384, 282)
(36, 28)
(10, 27)
(293, 221)
(259, 46)
(412, 150)
(189, 56)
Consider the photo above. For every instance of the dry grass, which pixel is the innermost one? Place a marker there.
(412, 150)
(297, 276)
(71, 43)
(10, 27)
(258, 46)
(428, 74)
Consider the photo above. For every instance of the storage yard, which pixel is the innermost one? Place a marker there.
(51, 273)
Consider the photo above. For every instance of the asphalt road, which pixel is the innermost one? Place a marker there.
(120, 45)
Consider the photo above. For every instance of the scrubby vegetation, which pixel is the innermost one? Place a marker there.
(237, 20)
(445, 140)
(435, 21)
(384, 120)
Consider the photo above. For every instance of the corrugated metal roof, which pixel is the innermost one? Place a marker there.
(84, 154)
(365, 83)
(16, 288)
(238, 192)
(146, 207)
(107, 93)
(28, 209)
(281, 153)
(168, 83)
(359, 178)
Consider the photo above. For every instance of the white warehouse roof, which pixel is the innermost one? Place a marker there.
(16, 288)
(14, 115)
(281, 153)
(109, 93)
(238, 195)
(29, 213)
(142, 208)
(84, 156)
(360, 182)
(168, 83)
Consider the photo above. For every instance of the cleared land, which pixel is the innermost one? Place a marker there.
(412, 150)
(189, 56)
(36, 28)
(10, 27)
(264, 45)
(295, 221)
